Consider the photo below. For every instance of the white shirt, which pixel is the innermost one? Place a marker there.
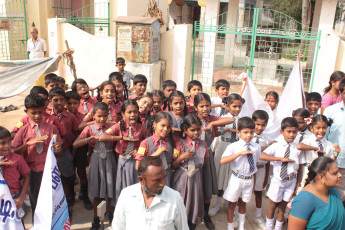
(306, 134)
(216, 111)
(228, 134)
(278, 150)
(36, 50)
(263, 142)
(241, 164)
(166, 211)
(127, 77)
(311, 155)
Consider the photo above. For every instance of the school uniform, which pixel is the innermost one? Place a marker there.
(150, 146)
(65, 160)
(190, 109)
(217, 111)
(46, 118)
(133, 96)
(102, 171)
(187, 179)
(176, 124)
(302, 135)
(224, 171)
(310, 155)
(80, 158)
(121, 99)
(263, 141)
(35, 155)
(126, 173)
(243, 170)
(114, 110)
(85, 106)
(283, 183)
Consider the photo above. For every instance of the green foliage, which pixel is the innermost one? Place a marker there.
(292, 8)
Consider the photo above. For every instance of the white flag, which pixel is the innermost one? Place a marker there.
(52, 209)
(9, 218)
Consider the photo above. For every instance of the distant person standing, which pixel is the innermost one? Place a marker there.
(36, 46)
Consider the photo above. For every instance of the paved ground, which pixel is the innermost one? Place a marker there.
(81, 217)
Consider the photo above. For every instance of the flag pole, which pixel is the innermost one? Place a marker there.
(301, 77)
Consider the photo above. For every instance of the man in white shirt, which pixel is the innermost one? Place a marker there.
(149, 204)
(36, 46)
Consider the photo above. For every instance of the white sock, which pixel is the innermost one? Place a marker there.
(230, 226)
(258, 213)
(279, 225)
(269, 224)
(242, 219)
(218, 202)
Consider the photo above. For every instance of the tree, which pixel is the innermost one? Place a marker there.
(288, 7)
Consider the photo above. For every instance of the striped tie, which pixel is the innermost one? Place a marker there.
(320, 147)
(163, 156)
(222, 112)
(257, 141)
(130, 145)
(233, 135)
(250, 159)
(301, 138)
(102, 151)
(283, 169)
(39, 146)
(110, 118)
(191, 164)
(86, 109)
(1, 157)
(202, 135)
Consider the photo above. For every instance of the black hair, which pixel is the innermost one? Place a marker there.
(100, 106)
(336, 76)
(148, 161)
(72, 95)
(301, 112)
(233, 97)
(342, 86)
(124, 105)
(78, 81)
(117, 76)
(51, 77)
(193, 83)
(260, 114)
(139, 78)
(320, 118)
(101, 88)
(200, 97)
(33, 101)
(120, 60)
(56, 91)
(61, 79)
(189, 120)
(156, 119)
(4, 132)
(289, 122)
(313, 96)
(174, 94)
(273, 94)
(245, 123)
(39, 90)
(159, 93)
(318, 166)
(169, 83)
(222, 82)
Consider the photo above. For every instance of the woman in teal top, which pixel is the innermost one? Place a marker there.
(318, 205)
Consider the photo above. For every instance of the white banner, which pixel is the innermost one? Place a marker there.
(9, 219)
(52, 209)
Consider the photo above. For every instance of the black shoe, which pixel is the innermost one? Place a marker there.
(87, 204)
(95, 225)
(6, 109)
(209, 224)
(70, 213)
(110, 217)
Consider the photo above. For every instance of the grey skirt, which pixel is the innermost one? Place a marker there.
(126, 175)
(209, 177)
(102, 176)
(190, 189)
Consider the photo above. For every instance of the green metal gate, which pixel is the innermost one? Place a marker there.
(263, 42)
(93, 18)
(13, 35)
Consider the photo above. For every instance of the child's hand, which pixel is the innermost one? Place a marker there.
(175, 129)
(57, 147)
(285, 159)
(129, 139)
(320, 151)
(37, 140)
(246, 152)
(187, 155)
(5, 163)
(130, 89)
(93, 139)
(160, 150)
(224, 106)
(190, 104)
(134, 153)
(111, 122)
(208, 127)
(19, 202)
(337, 148)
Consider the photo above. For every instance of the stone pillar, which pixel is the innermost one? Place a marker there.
(202, 5)
(210, 38)
(190, 14)
(179, 4)
(230, 38)
(240, 20)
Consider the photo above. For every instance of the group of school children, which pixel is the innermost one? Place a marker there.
(205, 147)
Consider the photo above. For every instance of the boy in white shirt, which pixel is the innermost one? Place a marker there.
(218, 107)
(260, 118)
(287, 166)
(243, 156)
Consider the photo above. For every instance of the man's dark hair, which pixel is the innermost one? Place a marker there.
(39, 90)
(222, 82)
(120, 60)
(4, 132)
(245, 123)
(33, 101)
(289, 122)
(51, 77)
(342, 86)
(56, 91)
(313, 96)
(148, 161)
(139, 78)
(72, 95)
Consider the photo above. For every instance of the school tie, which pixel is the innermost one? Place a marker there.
(191, 163)
(222, 112)
(1, 157)
(202, 135)
(233, 135)
(257, 141)
(102, 151)
(301, 138)
(163, 156)
(110, 118)
(39, 146)
(283, 169)
(320, 147)
(250, 159)
(60, 116)
(130, 145)
(86, 109)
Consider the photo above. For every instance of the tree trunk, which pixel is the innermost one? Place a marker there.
(305, 25)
